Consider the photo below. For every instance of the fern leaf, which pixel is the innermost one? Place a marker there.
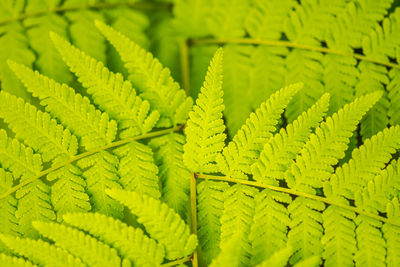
(137, 169)
(327, 145)
(40, 252)
(88, 249)
(367, 161)
(109, 90)
(380, 190)
(305, 228)
(265, 19)
(278, 259)
(34, 198)
(281, 149)
(205, 127)
(152, 80)
(211, 197)
(74, 111)
(391, 234)
(160, 221)
(48, 61)
(269, 227)
(6, 260)
(37, 129)
(8, 206)
(339, 238)
(237, 218)
(14, 45)
(68, 193)
(130, 242)
(309, 262)
(371, 245)
(237, 158)
(101, 174)
(394, 95)
(174, 177)
(229, 255)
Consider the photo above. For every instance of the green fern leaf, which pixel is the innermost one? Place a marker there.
(150, 78)
(174, 177)
(327, 145)
(394, 95)
(211, 197)
(278, 259)
(392, 233)
(100, 174)
(87, 248)
(269, 227)
(6, 260)
(40, 252)
(281, 149)
(37, 129)
(109, 91)
(160, 221)
(74, 111)
(8, 206)
(34, 198)
(237, 158)
(236, 220)
(229, 255)
(130, 242)
(137, 169)
(205, 127)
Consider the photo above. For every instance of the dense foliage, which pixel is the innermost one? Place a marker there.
(279, 148)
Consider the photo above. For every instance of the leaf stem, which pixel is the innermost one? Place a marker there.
(185, 66)
(193, 209)
(177, 262)
(88, 153)
(250, 41)
(143, 5)
(297, 193)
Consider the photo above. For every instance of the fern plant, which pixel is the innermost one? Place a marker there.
(272, 198)
(344, 48)
(280, 192)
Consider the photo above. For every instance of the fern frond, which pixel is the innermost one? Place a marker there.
(309, 262)
(205, 127)
(68, 193)
(229, 254)
(6, 260)
(269, 228)
(109, 90)
(88, 249)
(210, 198)
(37, 129)
(236, 220)
(370, 242)
(34, 198)
(278, 259)
(40, 252)
(101, 174)
(14, 45)
(8, 206)
(48, 61)
(237, 158)
(265, 19)
(74, 111)
(380, 190)
(394, 95)
(160, 221)
(137, 169)
(226, 19)
(305, 228)
(130, 242)
(152, 80)
(391, 234)
(281, 149)
(327, 145)
(367, 161)
(174, 176)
